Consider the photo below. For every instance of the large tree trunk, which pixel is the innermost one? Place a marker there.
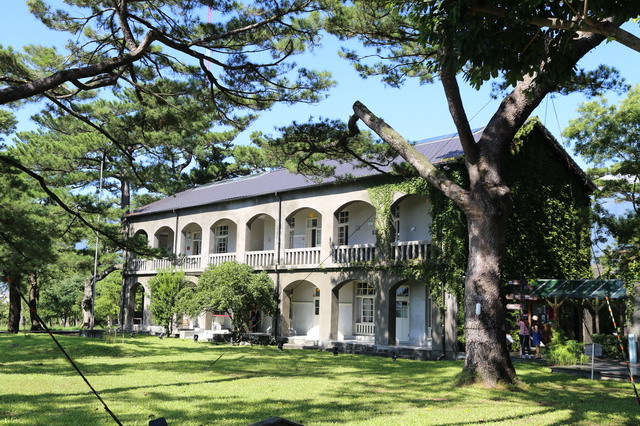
(487, 355)
(88, 299)
(15, 306)
(87, 304)
(33, 303)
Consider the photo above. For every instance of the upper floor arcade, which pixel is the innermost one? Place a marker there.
(334, 226)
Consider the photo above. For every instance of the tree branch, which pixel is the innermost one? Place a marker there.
(37, 87)
(456, 109)
(14, 163)
(604, 28)
(424, 167)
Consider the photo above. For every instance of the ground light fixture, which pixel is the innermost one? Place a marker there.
(280, 345)
(335, 351)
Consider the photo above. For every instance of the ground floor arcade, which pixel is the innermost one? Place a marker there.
(367, 307)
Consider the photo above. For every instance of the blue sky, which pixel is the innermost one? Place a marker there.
(417, 112)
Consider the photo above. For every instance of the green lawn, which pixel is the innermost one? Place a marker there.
(145, 378)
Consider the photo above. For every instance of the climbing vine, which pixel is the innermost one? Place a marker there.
(448, 233)
(548, 234)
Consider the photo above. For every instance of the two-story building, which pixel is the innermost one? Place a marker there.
(318, 241)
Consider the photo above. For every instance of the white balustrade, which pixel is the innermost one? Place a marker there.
(260, 258)
(365, 328)
(138, 265)
(354, 253)
(164, 263)
(217, 259)
(191, 263)
(302, 256)
(408, 250)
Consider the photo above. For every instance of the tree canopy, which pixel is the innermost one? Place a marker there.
(235, 289)
(242, 56)
(432, 40)
(607, 136)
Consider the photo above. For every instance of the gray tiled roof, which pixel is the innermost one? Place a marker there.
(437, 150)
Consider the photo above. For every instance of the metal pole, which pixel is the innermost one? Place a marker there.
(95, 256)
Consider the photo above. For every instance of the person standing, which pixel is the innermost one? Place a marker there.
(536, 335)
(523, 334)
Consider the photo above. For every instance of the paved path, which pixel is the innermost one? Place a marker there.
(603, 369)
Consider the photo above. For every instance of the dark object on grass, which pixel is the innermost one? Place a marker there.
(275, 421)
(161, 335)
(335, 351)
(133, 334)
(195, 338)
(394, 357)
(158, 422)
(280, 345)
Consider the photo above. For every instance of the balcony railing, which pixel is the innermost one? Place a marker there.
(157, 264)
(138, 265)
(354, 253)
(191, 263)
(302, 256)
(408, 250)
(218, 258)
(365, 328)
(260, 258)
(342, 255)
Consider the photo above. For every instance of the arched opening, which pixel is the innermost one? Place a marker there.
(304, 229)
(191, 247)
(354, 302)
(137, 305)
(411, 308)
(134, 263)
(191, 240)
(354, 235)
(260, 241)
(222, 241)
(187, 321)
(303, 237)
(411, 228)
(163, 239)
(304, 309)
(142, 236)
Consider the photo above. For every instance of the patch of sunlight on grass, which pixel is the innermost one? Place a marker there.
(146, 378)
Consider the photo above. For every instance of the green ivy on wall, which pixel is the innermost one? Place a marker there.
(548, 234)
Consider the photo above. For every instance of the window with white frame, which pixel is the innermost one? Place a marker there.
(343, 228)
(313, 232)
(402, 309)
(221, 239)
(429, 315)
(402, 302)
(292, 228)
(366, 311)
(197, 243)
(316, 301)
(395, 218)
(365, 289)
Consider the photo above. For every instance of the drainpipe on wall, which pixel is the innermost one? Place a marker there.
(175, 235)
(444, 329)
(123, 293)
(277, 269)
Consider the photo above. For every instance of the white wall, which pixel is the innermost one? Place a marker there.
(303, 318)
(362, 216)
(417, 314)
(415, 218)
(345, 311)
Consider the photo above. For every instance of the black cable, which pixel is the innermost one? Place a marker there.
(34, 312)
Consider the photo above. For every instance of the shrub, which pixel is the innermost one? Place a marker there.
(610, 344)
(566, 352)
